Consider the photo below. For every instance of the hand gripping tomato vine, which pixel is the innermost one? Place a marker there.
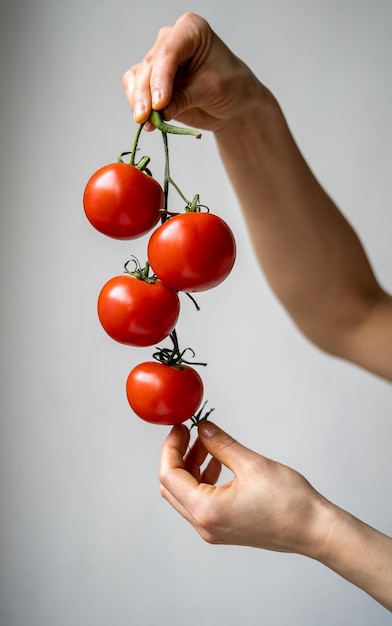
(187, 252)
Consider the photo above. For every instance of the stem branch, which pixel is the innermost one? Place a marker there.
(134, 147)
(157, 119)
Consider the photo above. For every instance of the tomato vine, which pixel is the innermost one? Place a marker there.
(127, 208)
(174, 356)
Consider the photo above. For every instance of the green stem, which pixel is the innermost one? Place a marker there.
(142, 164)
(134, 147)
(171, 181)
(168, 179)
(159, 123)
(173, 356)
(173, 337)
(199, 417)
(141, 273)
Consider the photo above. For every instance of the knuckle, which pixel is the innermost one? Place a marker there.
(255, 465)
(164, 31)
(161, 478)
(163, 491)
(207, 520)
(208, 537)
(148, 59)
(209, 526)
(192, 19)
(166, 49)
(128, 75)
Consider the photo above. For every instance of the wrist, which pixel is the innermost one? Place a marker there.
(319, 517)
(325, 521)
(356, 551)
(256, 113)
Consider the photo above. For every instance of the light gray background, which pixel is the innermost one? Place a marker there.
(86, 539)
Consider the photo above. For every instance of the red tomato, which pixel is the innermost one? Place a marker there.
(137, 313)
(192, 251)
(122, 202)
(163, 394)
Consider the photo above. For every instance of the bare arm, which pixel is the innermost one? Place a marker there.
(316, 265)
(309, 253)
(268, 505)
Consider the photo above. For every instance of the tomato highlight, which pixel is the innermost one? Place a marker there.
(137, 313)
(164, 394)
(122, 202)
(192, 251)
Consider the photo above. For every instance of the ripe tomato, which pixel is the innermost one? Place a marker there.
(192, 251)
(163, 394)
(137, 313)
(122, 202)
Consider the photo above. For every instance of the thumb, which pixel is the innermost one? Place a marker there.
(223, 447)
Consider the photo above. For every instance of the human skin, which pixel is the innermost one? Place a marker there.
(271, 506)
(317, 267)
(309, 253)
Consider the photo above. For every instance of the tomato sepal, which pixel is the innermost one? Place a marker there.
(174, 357)
(141, 273)
(199, 416)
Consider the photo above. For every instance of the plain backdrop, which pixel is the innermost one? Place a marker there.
(85, 538)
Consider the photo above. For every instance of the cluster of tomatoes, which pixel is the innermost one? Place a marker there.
(187, 252)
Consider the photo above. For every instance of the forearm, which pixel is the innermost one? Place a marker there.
(360, 554)
(311, 256)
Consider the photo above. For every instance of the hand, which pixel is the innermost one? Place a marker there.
(265, 505)
(268, 505)
(191, 75)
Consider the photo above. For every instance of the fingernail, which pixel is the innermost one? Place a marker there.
(156, 98)
(138, 110)
(208, 429)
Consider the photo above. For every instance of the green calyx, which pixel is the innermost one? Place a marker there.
(200, 416)
(141, 273)
(174, 357)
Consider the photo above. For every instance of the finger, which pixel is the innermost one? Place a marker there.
(173, 475)
(168, 496)
(195, 457)
(175, 46)
(136, 84)
(149, 84)
(178, 486)
(174, 448)
(211, 472)
(136, 81)
(224, 448)
(175, 480)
